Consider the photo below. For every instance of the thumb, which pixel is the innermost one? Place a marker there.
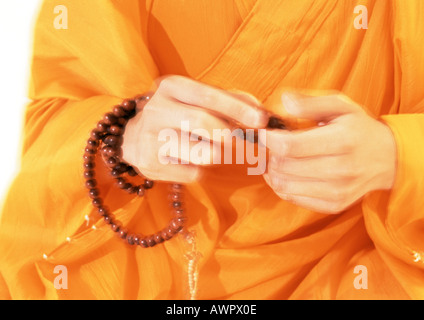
(318, 108)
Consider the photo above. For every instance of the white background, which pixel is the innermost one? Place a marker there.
(17, 19)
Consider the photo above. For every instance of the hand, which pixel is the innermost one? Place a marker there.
(331, 166)
(179, 99)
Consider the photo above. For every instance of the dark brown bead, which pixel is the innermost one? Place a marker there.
(116, 130)
(176, 188)
(276, 123)
(158, 238)
(115, 174)
(93, 143)
(89, 174)
(88, 158)
(102, 211)
(96, 134)
(128, 105)
(122, 122)
(102, 127)
(108, 151)
(136, 239)
(107, 219)
(179, 213)
(180, 220)
(166, 235)
(140, 98)
(176, 196)
(113, 141)
(130, 115)
(94, 193)
(112, 162)
(151, 241)
(121, 167)
(89, 165)
(120, 182)
(118, 152)
(115, 226)
(119, 112)
(176, 204)
(97, 202)
(123, 184)
(92, 183)
(170, 232)
(148, 184)
(143, 242)
(131, 172)
(110, 119)
(132, 190)
(122, 234)
(126, 186)
(177, 224)
(140, 191)
(90, 150)
(130, 239)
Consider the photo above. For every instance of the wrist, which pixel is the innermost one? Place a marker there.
(388, 156)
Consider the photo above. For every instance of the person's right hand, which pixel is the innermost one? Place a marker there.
(178, 99)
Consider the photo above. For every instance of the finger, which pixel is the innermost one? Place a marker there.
(284, 184)
(186, 149)
(313, 204)
(246, 97)
(319, 141)
(321, 168)
(318, 108)
(154, 167)
(215, 100)
(181, 173)
(175, 115)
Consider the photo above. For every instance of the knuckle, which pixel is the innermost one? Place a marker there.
(149, 108)
(200, 120)
(339, 196)
(163, 86)
(341, 201)
(335, 207)
(239, 112)
(287, 147)
(349, 170)
(207, 97)
(156, 104)
(168, 82)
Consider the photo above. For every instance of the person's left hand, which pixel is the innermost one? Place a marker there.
(331, 166)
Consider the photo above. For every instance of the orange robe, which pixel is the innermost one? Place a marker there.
(252, 244)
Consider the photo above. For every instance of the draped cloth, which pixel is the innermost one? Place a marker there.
(250, 243)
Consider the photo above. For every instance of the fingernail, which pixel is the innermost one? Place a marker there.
(262, 136)
(257, 118)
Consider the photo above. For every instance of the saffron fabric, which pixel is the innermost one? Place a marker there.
(250, 243)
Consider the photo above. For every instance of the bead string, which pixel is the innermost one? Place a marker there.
(107, 139)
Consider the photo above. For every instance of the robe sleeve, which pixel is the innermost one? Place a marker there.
(87, 57)
(395, 220)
